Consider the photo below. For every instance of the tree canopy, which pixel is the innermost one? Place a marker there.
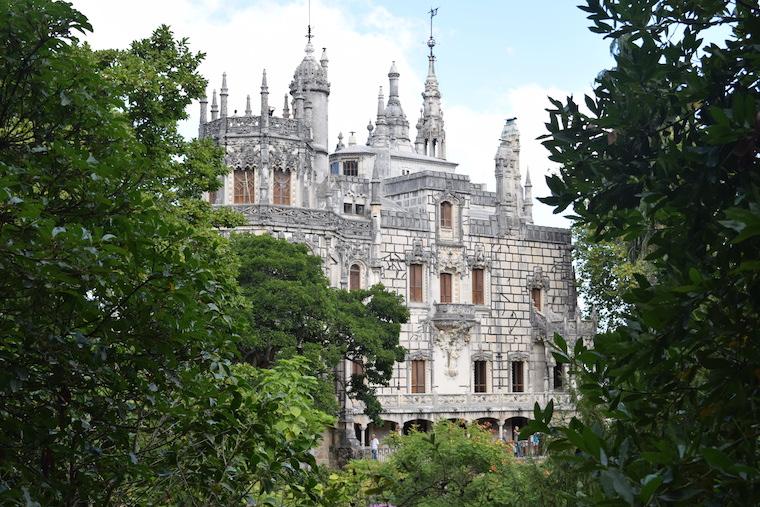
(666, 148)
(119, 298)
(293, 311)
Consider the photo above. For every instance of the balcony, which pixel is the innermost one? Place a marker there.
(467, 402)
(448, 315)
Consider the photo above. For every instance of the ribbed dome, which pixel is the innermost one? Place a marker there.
(310, 73)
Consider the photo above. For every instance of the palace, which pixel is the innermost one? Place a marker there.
(485, 286)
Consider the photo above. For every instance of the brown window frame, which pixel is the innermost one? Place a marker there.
(350, 168)
(478, 286)
(243, 191)
(446, 214)
(417, 376)
(355, 277)
(446, 282)
(535, 298)
(415, 283)
(281, 184)
(357, 367)
(518, 376)
(480, 376)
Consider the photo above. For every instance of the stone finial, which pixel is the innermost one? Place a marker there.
(214, 107)
(323, 60)
(380, 103)
(340, 144)
(264, 87)
(248, 110)
(204, 109)
(370, 128)
(285, 110)
(223, 93)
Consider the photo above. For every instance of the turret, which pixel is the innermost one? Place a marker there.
(398, 126)
(214, 107)
(223, 93)
(509, 193)
(285, 110)
(203, 115)
(248, 110)
(380, 135)
(431, 136)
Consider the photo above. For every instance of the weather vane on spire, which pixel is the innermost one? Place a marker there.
(309, 36)
(431, 40)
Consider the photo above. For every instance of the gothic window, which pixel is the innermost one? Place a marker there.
(481, 376)
(354, 282)
(281, 186)
(558, 378)
(351, 167)
(446, 215)
(244, 191)
(518, 379)
(359, 209)
(535, 296)
(415, 283)
(347, 207)
(418, 376)
(445, 287)
(478, 291)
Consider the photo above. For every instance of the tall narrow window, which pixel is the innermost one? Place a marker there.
(351, 167)
(281, 187)
(481, 372)
(243, 187)
(445, 287)
(478, 295)
(415, 283)
(212, 197)
(535, 296)
(354, 282)
(558, 378)
(518, 380)
(418, 376)
(357, 368)
(446, 215)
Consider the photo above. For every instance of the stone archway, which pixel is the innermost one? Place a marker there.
(423, 425)
(490, 424)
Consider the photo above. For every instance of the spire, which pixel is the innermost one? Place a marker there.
(204, 109)
(264, 122)
(431, 136)
(528, 199)
(398, 126)
(380, 104)
(380, 136)
(248, 111)
(223, 93)
(214, 107)
(285, 110)
(509, 195)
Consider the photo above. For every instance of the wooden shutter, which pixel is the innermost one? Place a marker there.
(415, 282)
(418, 376)
(518, 382)
(481, 372)
(478, 295)
(446, 215)
(354, 282)
(535, 295)
(445, 287)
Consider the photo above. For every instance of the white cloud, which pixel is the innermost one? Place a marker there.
(243, 40)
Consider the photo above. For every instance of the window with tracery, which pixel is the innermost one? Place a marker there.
(244, 189)
(281, 187)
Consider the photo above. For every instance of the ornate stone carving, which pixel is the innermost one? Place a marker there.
(478, 258)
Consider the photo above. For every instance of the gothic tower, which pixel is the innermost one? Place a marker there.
(431, 136)
(310, 85)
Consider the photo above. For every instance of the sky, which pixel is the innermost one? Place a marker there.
(495, 59)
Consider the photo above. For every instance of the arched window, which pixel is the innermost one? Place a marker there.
(446, 215)
(244, 190)
(535, 296)
(281, 187)
(354, 281)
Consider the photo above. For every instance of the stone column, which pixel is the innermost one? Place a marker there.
(362, 429)
(501, 430)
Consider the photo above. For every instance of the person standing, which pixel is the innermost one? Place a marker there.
(373, 446)
(518, 446)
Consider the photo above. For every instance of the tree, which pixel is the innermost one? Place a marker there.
(606, 271)
(293, 311)
(669, 149)
(451, 465)
(118, 297)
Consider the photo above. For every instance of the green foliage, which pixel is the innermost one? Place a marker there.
(668, 150)
(449, 466)
(293, 311)
(118, 296)
(606, 271)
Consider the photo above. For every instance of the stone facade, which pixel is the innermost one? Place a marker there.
(485, 286)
